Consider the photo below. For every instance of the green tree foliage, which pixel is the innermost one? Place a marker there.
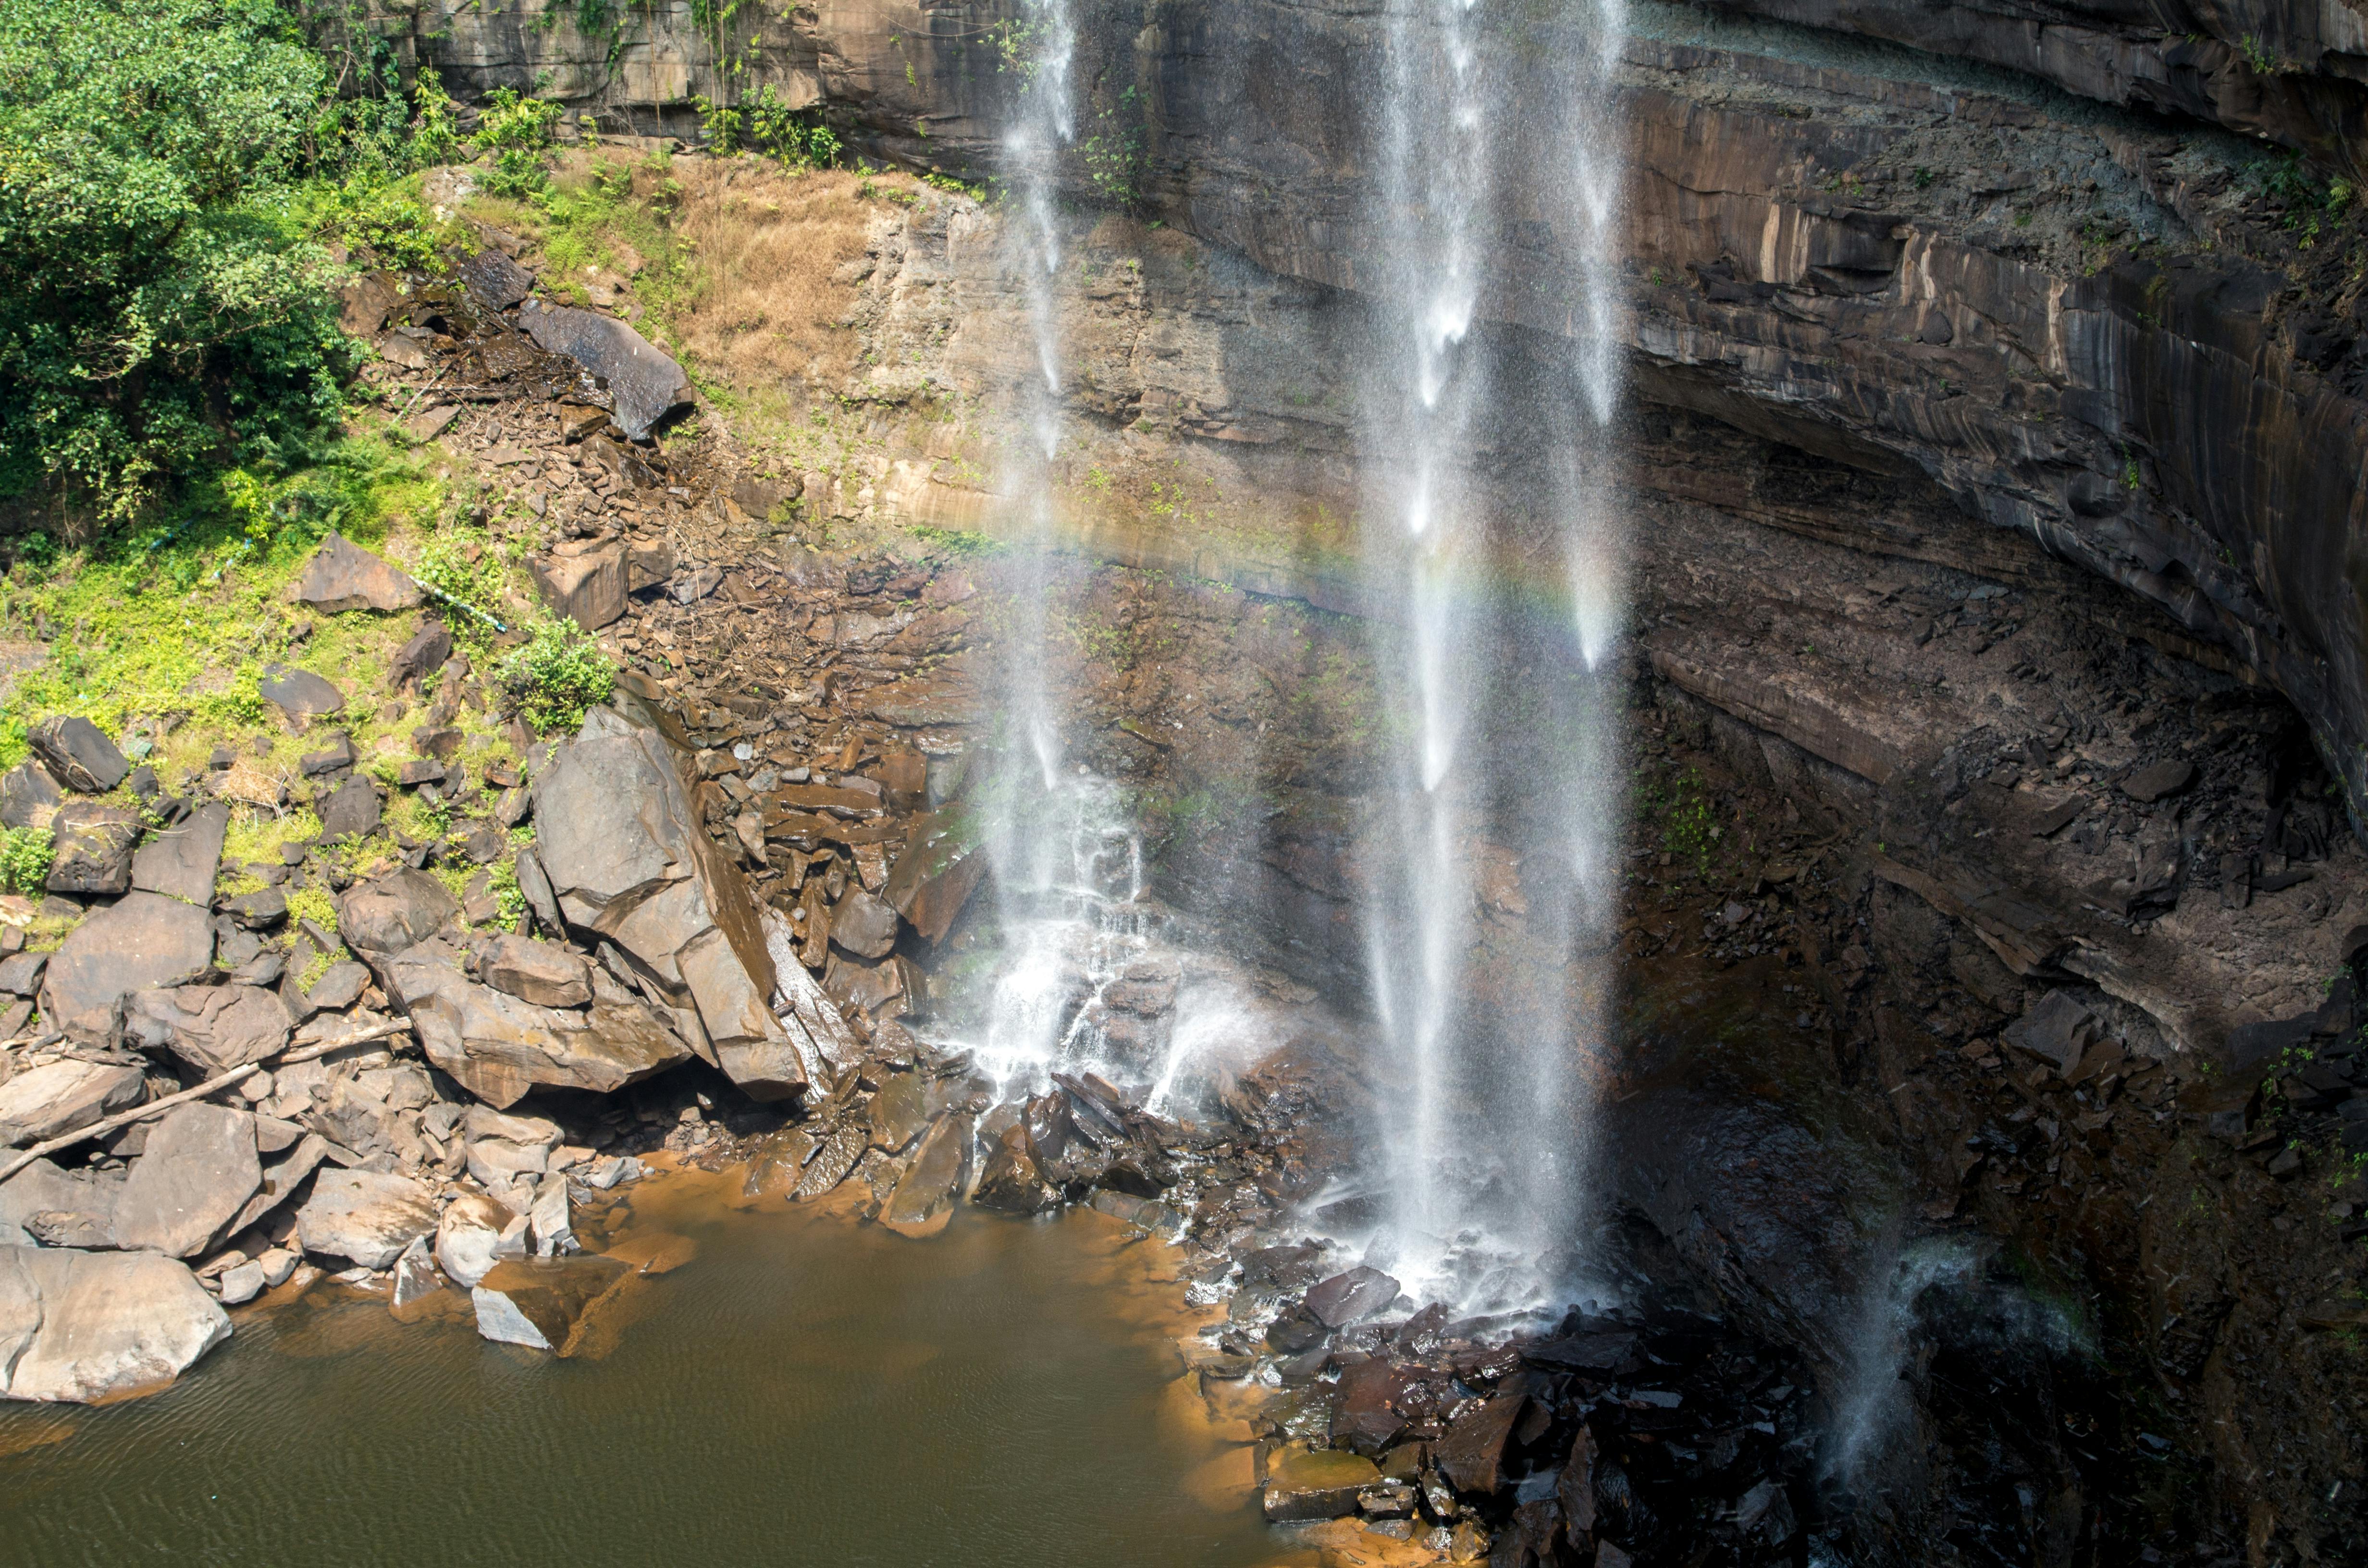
(516, 132)
(161, 306)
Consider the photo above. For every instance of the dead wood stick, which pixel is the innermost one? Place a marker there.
(222, 1081)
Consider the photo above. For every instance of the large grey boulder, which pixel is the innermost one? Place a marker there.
(368, 1216)
(643, 384)
(181, 861)
(52, 1098)
(93, 846)
(619, 842)
(342, 575)
(143, 939)
(29, 796)
(500, 1046)
(376, 1111)
(389, 914)
(82, 1326)
(77, 754)
(212, 1028)
(194, 1176)
(81, 1201)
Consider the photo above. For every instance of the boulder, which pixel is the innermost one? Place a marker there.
(899, 1111)
(493, 281)
(143, 940)
(376, 1112)
(648, 565)
(582, 581)
(212, 1028)
(941, 865)
(644, 385)
(368, 1216)
(839, 1154)
(43, 1193)
(506, 1150)
(94, 848)
(240, 1283)
(300, 695)
(340, 986)
(545, 1303)
(621, 844)
(1011, 1180)
(20, 973)
(389, 913)
(923, 1199)
(1472, 1451)
(2059, 1029)
(549, 1218)
(1351, 1298)
(468, 1235)
(334, 757)
(352, 811)
(863, 925)
(419, 658)
(500, 1046)
(182, 861)
(541, 973)
(77, 754)
(1318, 1485)
(29, 796)
(198, 1171)
(52, 1098)
(342, 576)
(281, 1179)
(2158, 781)
(83, 1326)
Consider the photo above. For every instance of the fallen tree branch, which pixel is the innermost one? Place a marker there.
(224, 1081)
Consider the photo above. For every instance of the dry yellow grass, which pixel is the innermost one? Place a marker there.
(769, 251)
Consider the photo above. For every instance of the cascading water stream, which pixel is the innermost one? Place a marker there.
(1487, 1126)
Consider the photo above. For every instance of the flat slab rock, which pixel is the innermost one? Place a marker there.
(78, 1327)
(644, 385)
(143, 939)
(181, 861)
(195, 1174)
(342, 575)
(77, 754)
(545, 1303)
(58, 1097)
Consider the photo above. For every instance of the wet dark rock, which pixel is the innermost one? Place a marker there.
(1295, 1330)
(389, 913)
(299, 694)
(1363, 1418)
(76, 755)
(212, 1028)
(643, 384)
(899, 1111)
(1011, 1180)
(351, 813)
(924, 1197)
(2158, 781)
(94, 845)
(182, 861)
(1322, 1483)
(941, 865)
(143, 939)
(1472, 1451)
(197, 1172)
(863, 925)
(1352, 1297)
(1575, 1488)
(27, 796)
(1607, 1351)
(344, 576)
(839, 1153)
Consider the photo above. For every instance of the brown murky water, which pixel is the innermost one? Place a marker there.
(804, 1390)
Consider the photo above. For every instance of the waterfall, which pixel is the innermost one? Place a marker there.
(1069, 878)
(1503, 781)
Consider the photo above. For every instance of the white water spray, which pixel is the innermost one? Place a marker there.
(1487, 1125)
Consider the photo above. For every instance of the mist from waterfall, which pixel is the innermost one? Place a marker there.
(1504, 780)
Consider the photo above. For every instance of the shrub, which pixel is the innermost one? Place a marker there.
(557, 674)
(763, 124)
(25, 854)
(516, 132)
(160, 307)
